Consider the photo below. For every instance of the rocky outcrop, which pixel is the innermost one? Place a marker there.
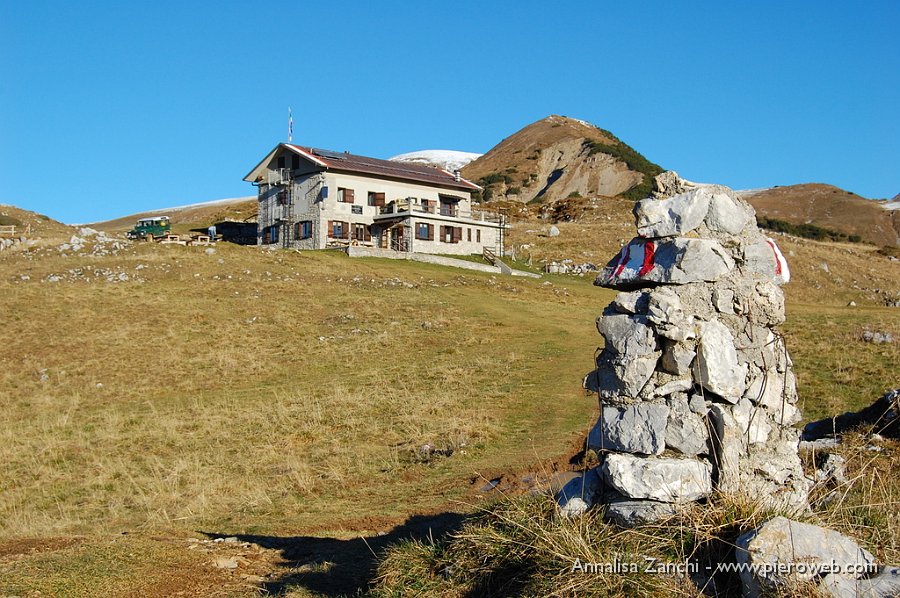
(695, 383)
(882, 417)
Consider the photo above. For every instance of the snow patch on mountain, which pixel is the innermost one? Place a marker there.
(449, 160)
(892, 203)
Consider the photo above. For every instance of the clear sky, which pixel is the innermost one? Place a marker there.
(108, 108)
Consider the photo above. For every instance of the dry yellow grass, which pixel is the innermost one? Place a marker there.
(263, 392)
(251, 389)
(523, 547)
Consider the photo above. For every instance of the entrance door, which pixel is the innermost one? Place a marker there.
(397, 239)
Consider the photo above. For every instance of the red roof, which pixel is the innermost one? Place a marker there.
(344, 162)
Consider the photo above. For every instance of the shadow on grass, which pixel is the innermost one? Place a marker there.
(334, 567)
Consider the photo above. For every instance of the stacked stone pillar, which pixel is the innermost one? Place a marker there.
(695, 383)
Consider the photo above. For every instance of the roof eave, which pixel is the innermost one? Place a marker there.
(252, 175)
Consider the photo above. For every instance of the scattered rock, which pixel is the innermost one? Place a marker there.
(885, 584)
(225, 563)
(877, 337)
(782, 551)
(579, 493)
(831, 468)
(553, 231)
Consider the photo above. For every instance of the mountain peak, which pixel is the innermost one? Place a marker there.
(558, 157)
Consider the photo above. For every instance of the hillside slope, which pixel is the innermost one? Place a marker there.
(829, 207)
(184, 218)
(558, 156)
(32, 224)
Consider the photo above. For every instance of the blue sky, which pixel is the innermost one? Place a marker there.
(108, 108)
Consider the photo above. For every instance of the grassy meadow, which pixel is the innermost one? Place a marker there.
(159, 398)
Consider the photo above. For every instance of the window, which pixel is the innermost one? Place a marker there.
(478, 236)
(425, 232)
(449, 206)
(270, 234)
(338, 229)
(451, 234)
(376, 199)
(428, 206)
(295, 161)
(345, 195)
(469, 233)
(304, 229)
(280, 161)
(360, 232)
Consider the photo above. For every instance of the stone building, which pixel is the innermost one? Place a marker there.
(315, 199)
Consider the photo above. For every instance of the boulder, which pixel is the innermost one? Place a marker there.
(727, 214)
(775, 391)
(716, 368)
(673, 386)
(763, 257)
(883, 416)
(630, 513)
(685, 431)
(657, 478)
(668, 261)
(885, 584)
(626, 335)
(554, 231)
(672, 216)
(669, 184)
(579, 494)
(752, 421)
(783, 551)
(677, 358)
(620, 376)
(638, 428)
(669, 320)
(633, 302)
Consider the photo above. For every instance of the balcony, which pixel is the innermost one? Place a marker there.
(405, 208)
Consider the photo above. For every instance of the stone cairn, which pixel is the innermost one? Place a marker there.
(695, 384)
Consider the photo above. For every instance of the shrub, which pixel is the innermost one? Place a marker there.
(807, 231)
(9, 220)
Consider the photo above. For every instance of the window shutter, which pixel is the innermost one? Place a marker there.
(469, 232)
(346, 229)
(379, 199)
(478, 235)
(330, 232)
(367, 234)
(348, 195)
(457, 234)
(430, 232)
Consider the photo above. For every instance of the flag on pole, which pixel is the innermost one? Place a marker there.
(290, 125)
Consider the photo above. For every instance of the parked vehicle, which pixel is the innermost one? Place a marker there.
(150, 228)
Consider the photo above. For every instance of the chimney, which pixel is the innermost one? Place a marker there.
(456, 175)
